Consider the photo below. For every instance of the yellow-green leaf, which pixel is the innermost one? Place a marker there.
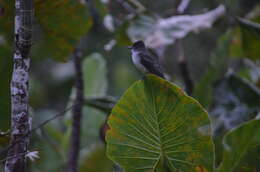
(155, 126)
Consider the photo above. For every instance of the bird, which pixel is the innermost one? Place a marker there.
(145, 61)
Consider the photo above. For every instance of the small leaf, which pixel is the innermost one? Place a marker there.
(237, 143)
(155, 127)
(246, 40)
(250, 32)
(94, 72)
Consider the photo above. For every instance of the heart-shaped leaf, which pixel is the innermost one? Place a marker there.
(156, 127)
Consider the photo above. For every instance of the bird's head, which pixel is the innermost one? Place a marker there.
(138, 46)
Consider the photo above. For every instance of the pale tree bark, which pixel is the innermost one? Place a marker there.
(77, 114)
(15, 161)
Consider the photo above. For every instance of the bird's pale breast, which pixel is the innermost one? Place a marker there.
(137, 61)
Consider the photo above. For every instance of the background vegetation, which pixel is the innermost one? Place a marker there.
(223, 63)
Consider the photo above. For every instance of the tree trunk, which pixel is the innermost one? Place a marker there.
(20, 127)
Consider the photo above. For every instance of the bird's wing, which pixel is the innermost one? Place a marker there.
(152, 64)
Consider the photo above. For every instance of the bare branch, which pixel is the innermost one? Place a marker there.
(51, 142)
(104, 104)
(77, 114)
(126, 6)
(3, 152)
(182, 60)
(140, 7)
(183, 6)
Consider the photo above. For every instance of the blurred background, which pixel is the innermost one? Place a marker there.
(213, 53)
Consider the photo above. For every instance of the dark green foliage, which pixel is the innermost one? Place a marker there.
(5, 97)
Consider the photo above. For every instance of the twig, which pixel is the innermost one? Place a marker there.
(126, 6)
(140, 7)
(14, 156)
(94, 14)
(77, 114)
(183, 65)
(104, 104)
(52, 144)
(3, 152)
(182, 60)
(183, 6)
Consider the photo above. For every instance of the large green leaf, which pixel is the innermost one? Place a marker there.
(63, 23)
(237, 143)
(156, 127)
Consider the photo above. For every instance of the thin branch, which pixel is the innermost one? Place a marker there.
(52, 144)
(182, 60)
(183, 6)
(15, 156)
(184, 69)
(127, 7)
(3, 152)
(140, 7)
(104, 104)
(77, 114)
(94, 14)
